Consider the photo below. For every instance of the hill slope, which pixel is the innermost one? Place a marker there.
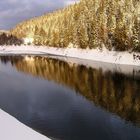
(87, 24)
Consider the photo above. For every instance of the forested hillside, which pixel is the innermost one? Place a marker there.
(87, 24)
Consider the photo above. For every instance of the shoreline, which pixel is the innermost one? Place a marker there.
(104, 55)
(129, 70)
(12, 129)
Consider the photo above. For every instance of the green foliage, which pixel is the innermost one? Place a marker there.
(88, 24)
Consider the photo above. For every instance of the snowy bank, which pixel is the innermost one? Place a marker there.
(130, 70)
(104, 55)
(12, 129)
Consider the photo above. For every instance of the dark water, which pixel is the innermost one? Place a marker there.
(70, 102)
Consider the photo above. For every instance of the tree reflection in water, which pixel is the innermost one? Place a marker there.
(115, 92)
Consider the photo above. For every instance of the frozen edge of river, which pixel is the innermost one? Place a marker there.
(104, 55)
(122, 62)
(12, 129)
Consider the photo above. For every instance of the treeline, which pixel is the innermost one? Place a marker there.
(114, 24)
(115, 92)
(8, 39)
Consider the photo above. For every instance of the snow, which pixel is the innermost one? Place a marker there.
(104, 55)
(130, 70)
(12, 129)
(28, 41)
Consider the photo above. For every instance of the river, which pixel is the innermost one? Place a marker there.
(71, 101)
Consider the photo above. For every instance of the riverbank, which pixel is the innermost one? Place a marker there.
(102, 55)
(12, 129)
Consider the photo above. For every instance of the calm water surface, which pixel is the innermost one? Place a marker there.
(65, 101)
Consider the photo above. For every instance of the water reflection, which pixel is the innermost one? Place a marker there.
(55, 109)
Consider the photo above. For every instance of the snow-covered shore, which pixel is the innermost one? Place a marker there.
(12, 129)
(104, 55)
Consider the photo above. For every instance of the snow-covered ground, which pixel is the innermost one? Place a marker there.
(12, 129)
(104, 55)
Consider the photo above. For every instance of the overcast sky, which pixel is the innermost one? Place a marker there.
(14, 11)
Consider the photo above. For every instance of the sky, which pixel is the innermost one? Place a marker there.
(15, 11)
